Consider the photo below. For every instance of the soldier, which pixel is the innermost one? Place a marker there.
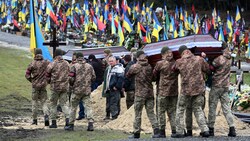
(129, 83)
(81, 75)
(107, 54)
(70, 91)
(35, 73)
(81, 114)
(143, 94)
(168, 90)
(219, 91)
(57, 77)
(191, 69)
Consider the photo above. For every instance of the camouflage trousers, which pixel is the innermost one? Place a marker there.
(215, 95)
(167, 103)
(75, 99)
(149, 106)
(130, 98)
(189, 114)
(39, 96)
(62, 98)
(196, 102)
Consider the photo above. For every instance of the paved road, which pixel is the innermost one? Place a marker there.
(24, 42)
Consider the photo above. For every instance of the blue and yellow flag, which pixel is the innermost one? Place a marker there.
(36, 36)
(237, 18)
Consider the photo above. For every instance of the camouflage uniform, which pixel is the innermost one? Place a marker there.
(57, 75)
(189, 115)
(143, 93)
(168, 92)
(219, 89)
(191, 69)
(81, 76)
(35, 73)
(70, 91)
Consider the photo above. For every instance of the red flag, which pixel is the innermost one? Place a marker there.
(15, 23)
(142, 28)
(246, 38)
(101, 26)
(193, 10)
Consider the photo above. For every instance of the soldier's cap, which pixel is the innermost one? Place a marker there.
(58, 52)
(133, 49)
(38, 51)
(182, 48)
(79, 55)
(139, 53)
(108, 51)
(164, 49)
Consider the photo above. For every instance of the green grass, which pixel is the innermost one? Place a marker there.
(13, 64)
(246, 78)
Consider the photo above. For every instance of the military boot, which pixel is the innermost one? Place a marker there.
(34, 122)
(66, 121)
(46, 120)
(162, 133)
(189, 133)
(156, 133)
(179, 135)
(232, 132)
(211, 131)
(90, 126)
(69, 127)
(205, 134)
(135, 136)
(173, 132)
(53, 125)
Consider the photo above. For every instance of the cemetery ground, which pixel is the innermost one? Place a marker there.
(15, 108)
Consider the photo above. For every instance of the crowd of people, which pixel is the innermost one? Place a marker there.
(132, 77)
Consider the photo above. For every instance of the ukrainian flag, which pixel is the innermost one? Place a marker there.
(221, 35)
(127, 24)
(229, 26)
(36, 37)
(237, 18)
(49, 11)
(120, 33)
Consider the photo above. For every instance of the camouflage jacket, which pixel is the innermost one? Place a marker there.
(57, 75)
(192, 69)
(81, 75)
(168, 84)
(143, 78)
(36, 71)
(222, 66)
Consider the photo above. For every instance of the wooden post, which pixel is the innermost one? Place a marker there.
(54, 43)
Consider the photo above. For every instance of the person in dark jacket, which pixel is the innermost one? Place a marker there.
(129, 83)
(97, 65)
